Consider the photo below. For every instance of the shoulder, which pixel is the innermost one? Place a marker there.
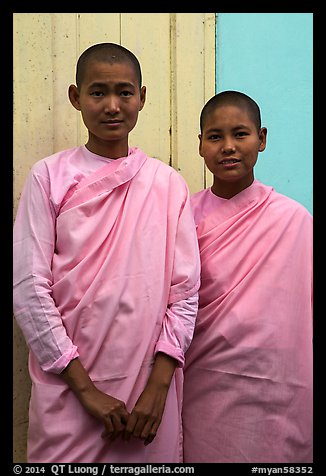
(201, 199)
(163, 171)
(287, 213)
(54, 161)
(198, 201)
(286, 205)
(163, 167)
(198, 197)
(152, 161)
(279, 205)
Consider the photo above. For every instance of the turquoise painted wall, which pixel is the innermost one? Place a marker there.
(269, 57)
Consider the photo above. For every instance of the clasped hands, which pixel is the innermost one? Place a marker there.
(142, 422)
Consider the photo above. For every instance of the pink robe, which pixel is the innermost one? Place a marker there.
(248, 371)
(102, 252)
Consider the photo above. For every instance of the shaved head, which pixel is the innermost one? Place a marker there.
(106, 53)
(231, 98)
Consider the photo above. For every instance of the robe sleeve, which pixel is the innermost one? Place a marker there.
(179, 320)
(186, 261)
(178, 328)
(34, 308)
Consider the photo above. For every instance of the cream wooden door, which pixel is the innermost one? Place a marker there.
(177, 55)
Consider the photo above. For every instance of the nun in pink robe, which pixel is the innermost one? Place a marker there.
(106, 268)
(248, 371)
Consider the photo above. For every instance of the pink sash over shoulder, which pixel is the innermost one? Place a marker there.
(248, 373)
(125, 249)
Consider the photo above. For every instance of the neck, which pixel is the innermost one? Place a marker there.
(228, 189)
(110, 149)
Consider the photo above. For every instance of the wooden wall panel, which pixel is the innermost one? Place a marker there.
(193, 82)
(147, 35)
(33, 93)
(65, 52)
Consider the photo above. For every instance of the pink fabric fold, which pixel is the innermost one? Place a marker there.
(248, 370)
(113, 247)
